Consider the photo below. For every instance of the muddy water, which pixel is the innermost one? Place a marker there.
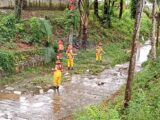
(79, 92)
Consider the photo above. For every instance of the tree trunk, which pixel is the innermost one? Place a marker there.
(39, 3)
(113, 3)
(158, 24)
(24, 4)
(50, 4)
(133, 8)
(133, 54)
(121, 9)
(105, 12)
(18, 9)
(96, 8)
(153, 32)
(84, 16)
(84, 34)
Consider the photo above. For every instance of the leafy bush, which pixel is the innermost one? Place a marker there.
(35, 30)
(7, 28)
(29, 31)
(91, 113)
(7, 61)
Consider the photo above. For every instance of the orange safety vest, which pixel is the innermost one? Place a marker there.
(99, 50)
(69, 54)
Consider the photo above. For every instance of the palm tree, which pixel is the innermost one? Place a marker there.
(18, 9)
(84, 19)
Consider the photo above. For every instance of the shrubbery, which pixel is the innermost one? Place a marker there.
(7, 28)
(7, 59)
(28, 31)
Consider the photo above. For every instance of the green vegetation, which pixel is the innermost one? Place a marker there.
(116, 39)
(9, 58)
(144, 105)
(29, 31)
(33, 74)
(7, 61)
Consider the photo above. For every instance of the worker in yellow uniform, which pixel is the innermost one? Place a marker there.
(57, 75)
(99, 51)
(70, 58)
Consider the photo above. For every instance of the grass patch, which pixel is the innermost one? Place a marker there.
(30, 73)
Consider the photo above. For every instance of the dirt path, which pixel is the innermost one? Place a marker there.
(82, 90)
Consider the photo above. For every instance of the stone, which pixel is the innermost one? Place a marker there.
(41, 91)
(66, 74)
(18, 92)
(87, 70)
(9, 88)
(39, 87)
(50, 91)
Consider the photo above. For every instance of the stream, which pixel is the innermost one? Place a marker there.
(81, 91)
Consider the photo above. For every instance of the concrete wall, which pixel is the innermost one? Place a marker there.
(10, 3)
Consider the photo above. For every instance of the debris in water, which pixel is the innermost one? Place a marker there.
(41, 91)
(18, 92)
(100, 83)
(87, 70)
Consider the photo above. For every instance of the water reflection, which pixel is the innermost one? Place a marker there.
(56, 102)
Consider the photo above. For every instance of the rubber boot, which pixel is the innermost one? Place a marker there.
(57, 89)
(54, 88)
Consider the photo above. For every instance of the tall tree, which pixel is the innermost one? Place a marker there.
(121, 9)
(39, 3)
(107, 13)
(153, 31)
(158, 25)
(50, 4)
(132, 64)
(96, 8)
(84, 19)
(24, 4)
(18, 9)
(133, 8)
